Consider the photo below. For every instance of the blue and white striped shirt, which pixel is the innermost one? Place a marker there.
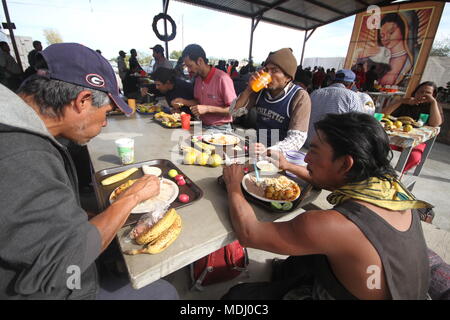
(333, 99)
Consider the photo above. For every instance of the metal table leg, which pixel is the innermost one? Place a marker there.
(425, 154)
(404, 156)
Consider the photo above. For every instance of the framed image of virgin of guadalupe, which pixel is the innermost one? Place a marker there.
(394, 42)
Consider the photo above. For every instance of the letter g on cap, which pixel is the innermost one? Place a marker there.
(95, 80)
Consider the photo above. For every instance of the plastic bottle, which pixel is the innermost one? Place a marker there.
(261, 81)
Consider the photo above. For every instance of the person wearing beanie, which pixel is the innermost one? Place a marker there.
(282, 108)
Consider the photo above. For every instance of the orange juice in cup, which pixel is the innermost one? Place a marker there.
(261, 81)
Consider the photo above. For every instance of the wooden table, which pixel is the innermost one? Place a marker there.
(206, 223)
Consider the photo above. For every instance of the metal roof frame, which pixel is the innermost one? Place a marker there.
(309, 15)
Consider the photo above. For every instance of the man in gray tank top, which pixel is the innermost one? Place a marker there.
(370, 245)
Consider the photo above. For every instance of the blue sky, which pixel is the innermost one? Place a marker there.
(113, 25)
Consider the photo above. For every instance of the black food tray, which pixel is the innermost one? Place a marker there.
(308, 194)
(103, 192)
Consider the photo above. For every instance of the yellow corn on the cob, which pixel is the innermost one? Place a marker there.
(205, 146)
(155, 231)
(163, 241)
(120, 176)
(189, 149)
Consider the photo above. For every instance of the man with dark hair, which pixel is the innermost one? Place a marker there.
(371, 77)
(160, 59)
(221, 66)
(370, 245)
(122, 65)
(32, 54)
(303, 78)
(336, 98)
(11, 74)
(52, 246)
(213, 90)
(134, 63)
(172, 87)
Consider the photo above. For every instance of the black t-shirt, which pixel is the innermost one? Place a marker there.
(371, 76)
(412, 111)
(130, 84)
(181, 89)
(134, 64)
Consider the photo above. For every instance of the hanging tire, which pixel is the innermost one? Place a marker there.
(164, 37)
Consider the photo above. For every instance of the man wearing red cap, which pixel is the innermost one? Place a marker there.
(48, 235)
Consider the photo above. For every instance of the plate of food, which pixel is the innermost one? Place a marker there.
(169, 120)
(147, 108)
(168, 194)
(221, 139)
(277, 188)
(116, 112)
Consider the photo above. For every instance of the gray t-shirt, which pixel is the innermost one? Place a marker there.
(165, 64)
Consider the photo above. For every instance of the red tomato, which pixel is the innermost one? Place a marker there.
(183, 198)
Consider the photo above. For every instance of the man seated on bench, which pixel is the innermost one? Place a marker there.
(370, 245)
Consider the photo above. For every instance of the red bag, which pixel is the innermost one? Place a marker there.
(221, 265)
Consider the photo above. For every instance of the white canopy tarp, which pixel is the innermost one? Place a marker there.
(326, 63)
(437, 70)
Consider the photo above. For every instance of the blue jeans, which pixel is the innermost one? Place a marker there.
(113, 287)
(223, 128)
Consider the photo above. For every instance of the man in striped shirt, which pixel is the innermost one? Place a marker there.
(336, 98)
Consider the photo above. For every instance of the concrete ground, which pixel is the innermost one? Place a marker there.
(433, 185)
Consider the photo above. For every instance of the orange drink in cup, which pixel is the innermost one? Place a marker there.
(261, 81)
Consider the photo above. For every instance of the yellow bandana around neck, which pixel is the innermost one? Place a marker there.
(391, 195)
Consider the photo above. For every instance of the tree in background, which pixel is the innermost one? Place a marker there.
(52, 36)
(441, 48)
(175, 54)
(144, 58)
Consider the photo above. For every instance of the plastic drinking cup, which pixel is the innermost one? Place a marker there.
(378, 116)
(261, 81)
(186, 121)
(424, 117)
(125, 149)
(132, 104)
